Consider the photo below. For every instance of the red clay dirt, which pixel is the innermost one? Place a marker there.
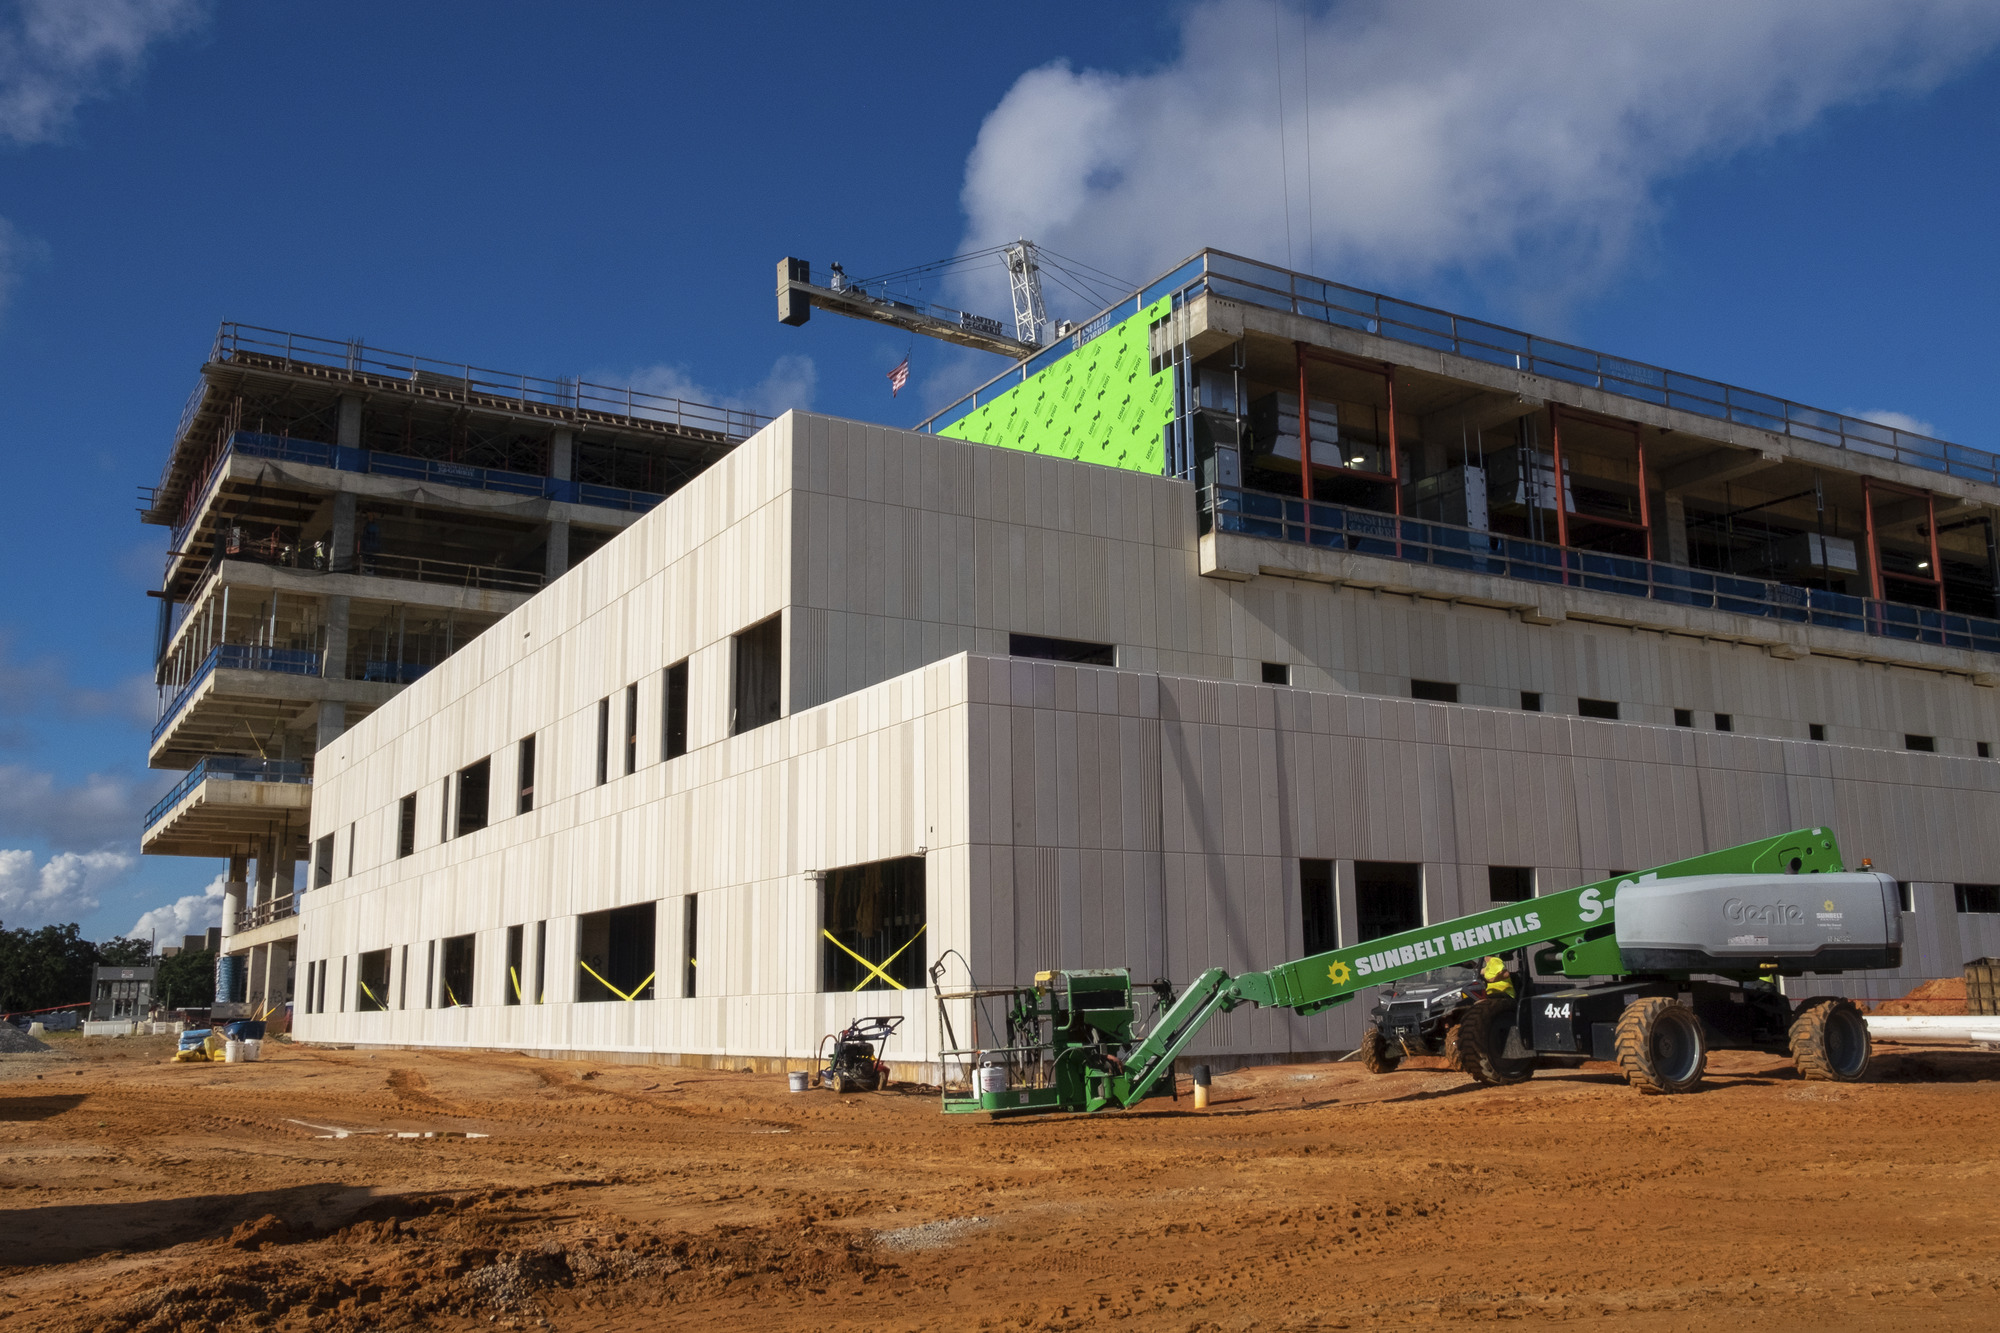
(141, 1195)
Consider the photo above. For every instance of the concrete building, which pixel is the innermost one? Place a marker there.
(1138, 680)
(343, 519)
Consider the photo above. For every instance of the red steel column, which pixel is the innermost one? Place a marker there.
(1874, 550)
(1937, 566)
(1556, 450)
(1645, 509)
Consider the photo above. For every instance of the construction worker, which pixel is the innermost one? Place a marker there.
(1494, 973)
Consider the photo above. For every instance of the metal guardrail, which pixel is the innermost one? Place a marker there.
(316, 453)
(1419, 541)
(1275, 288)
(238, 657)
(229, 768)
(264, 913)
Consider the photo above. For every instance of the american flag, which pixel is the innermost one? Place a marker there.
(899, 377)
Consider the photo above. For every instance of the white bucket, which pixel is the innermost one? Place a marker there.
(993, 1078)
(799, 1082)
(232, 1053)
(253, 1049)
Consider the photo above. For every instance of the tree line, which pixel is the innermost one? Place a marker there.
(40, 969)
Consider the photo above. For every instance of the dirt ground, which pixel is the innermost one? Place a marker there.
(144, 1195)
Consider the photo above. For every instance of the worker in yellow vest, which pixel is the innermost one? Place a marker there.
(1494, 973)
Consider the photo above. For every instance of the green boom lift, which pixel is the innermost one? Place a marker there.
(1672, 961)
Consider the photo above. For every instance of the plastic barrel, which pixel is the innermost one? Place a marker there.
(799, 1081)
(993, 1078)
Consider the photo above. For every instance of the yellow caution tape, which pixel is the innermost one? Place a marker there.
(613, 989)
(873, 970)
(517, 984)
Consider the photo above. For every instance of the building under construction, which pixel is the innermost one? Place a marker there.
(1257, 615)
(342, 520)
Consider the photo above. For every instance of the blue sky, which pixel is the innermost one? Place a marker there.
(1794, 197)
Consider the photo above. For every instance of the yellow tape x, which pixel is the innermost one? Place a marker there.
(613, 989)
(873, 970)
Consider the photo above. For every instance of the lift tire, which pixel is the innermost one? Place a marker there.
(1377, 1055)
(1482, 1043)
(1830, 1040)
(1454, 1058)
(1662, 1046)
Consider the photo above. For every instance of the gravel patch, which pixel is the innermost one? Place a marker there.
(930, 1235)
(13, 1041)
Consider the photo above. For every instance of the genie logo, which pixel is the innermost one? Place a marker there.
(1770, 914)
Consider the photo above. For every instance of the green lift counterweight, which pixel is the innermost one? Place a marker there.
(1625, 964)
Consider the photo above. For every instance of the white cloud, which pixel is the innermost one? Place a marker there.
(1456, 135)
(792, 383)
(189, 915)
(64, 887)
(56, 54)
(1900, 421)
(101, 810)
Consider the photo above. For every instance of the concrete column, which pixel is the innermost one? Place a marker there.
(341, 541)
(278, 972)
(234, 891)
(562, 447)
(332, 722)
(333, 655)
(253, 991)
(281, 881)
(557, 562)
(350, 422)
(1347, 908)
(1677, 530)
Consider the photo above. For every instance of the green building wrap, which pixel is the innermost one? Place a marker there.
(1100, 404)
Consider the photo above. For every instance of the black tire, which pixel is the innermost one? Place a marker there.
(1482, 1043)
(1454, 1057)
(1377, 1055)
(1662, 1046)
(839, 1082)
(1830, 1041)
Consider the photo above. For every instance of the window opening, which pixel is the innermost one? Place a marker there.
(1985, 749)
(1602, 708)
(541, 960)
(1318, 914)
(312, 974)
(1816, 730)
(371, 982)
(406, 826)
(1531, 701)
(1906, 895)
(350, 851)
(1922, 744)
(430, 975)
(474, 784)
(323, 862)
(1510, 884)
(515, 936)
(403, 980)
(674, 720)
(1982, 898)
(1045, 649)
(614, 954)
(1436, 691)
(1684, 717)
(1724, 722)
(872, 918)
(341, 994)
(1388, 897)
(456, 974)
(1276, 673)
(603, 740)
(320, 1004)
(524, 799)
(756, 675)
(444, 812)
(690, 939)
(631, 729)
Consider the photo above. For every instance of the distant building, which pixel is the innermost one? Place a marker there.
(120, 992)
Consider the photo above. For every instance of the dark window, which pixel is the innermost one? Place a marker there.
(456, 975)
(1276, 673)
(1985, 749)
(1604, 708)
(524, 773)
(515, 939)
(1684, 717)
(1510, 884)
(1977, 897)
(341, 994)
(312, 971)
(444, 812)
(1724, 722)
(406, 826)
(872, 916)
(541, 960)
(1316, 906)
(757, 672)
(323, 862)
(690, 937)
(1927, 744)
(631, 729)
(1437, 691)
(319, 1004)
(674, 721)
(614, 954)
(1388, 897)
(371, 978)
(474, 784)
(430, 975)
(1906, 895)
(1531, 701)
(350, 851)
(1816, 731)
(403, 981)
(1062, 650)
(603, 740)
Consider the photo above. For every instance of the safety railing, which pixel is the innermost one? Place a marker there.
(264, 913)
(1420, 541)
(228, 768)
(1275, 288)
(238, 657)
(315, 558)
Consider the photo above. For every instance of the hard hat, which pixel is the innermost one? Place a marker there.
(1493, 969)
